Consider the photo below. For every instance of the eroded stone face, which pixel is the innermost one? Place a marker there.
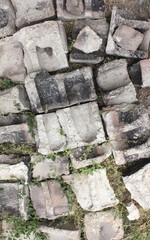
(138, 185)
(48, 200)
(93, 192)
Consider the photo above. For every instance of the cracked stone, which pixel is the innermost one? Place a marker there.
(93, 191)
(134, 213)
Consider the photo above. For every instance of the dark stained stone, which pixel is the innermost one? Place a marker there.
(98, 5)
(13, 159)
(130, 116)
(136, 74)
(4, 16)
(12, 119)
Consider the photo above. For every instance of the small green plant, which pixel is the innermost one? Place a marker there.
(31, 123)
(71, 44)
(62, 133)
(147, 2)
(6, 83)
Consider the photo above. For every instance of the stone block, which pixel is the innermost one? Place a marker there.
(44, 46)
(47, 168)
(17, 134)
(13, 159)
(103, 225)
(79, 9)
(138, 185)
(11, 60)
(91, 36)
(133, 212)
(93, 191)
(128, 129)
(33, 11)
(124, 39)
(86, 156)
(7, 18)
(49, 201)
(76, 126)
(14, 100)
(12, 119)
(48, 92)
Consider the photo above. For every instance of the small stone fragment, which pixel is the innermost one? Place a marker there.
(48, 200)
(75, 7)
(103, 226)
(133, 212)
(145, 70)
(93, 191)
(138, 185)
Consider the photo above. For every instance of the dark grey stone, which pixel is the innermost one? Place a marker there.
(12, 119)
(98, 5)
(136, 74)
(4, 16)
(13, 159)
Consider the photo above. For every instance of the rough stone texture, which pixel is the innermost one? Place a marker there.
(77, 9)
(11, 60)
(48, 92)
(13, 159)
(7, 18)
(128, 129)
(93, 191)
(17, 172)
(49, 201)
(9, 202)
(85, 156)
(103, 226)
(15, 134)
(63, 234)
(127, 38)
(48, 168)
(14, 100)
(146, 41)
(75, 127)
(44, 46)
(31, 11)
(12, 119)
(133, 212)
(116, 21)
(138, 186)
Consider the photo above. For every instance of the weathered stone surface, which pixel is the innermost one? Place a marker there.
(14, 100)
(146, 41)
(127, 38)
(75, 127)
(138, 186)
(17, 172)
(85, 156)
(48, 92)
(79, 9)
(128, 129)
(63, 234)
(93, 192)
(49, 200)
(48, 168)
(9, 202)
(133, 212)
(13, 159)
(15, 134)
(7, 18)
(44, 46)
(11, 60)
(117, 21)
(103, 226)
(88, 41)
(12, 119)
(30, 12)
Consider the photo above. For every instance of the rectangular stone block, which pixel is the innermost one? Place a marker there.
(72, 127)
(49, 201)
(13, 159)
(44, 46)
(12, 119)
(48, 92)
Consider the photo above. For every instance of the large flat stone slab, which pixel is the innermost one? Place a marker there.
(48, 200)
(93, 191)
(33, 11)
(44, 46)
(138, 185)
(79, 9)
(48, 92)
(126, 36)
(103, 225)
(128, 129)
(73, 127)
(14, 100)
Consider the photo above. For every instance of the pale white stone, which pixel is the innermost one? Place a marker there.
(134, 213)
(145, 70)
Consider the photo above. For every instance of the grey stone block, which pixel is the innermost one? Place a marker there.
(79, 9)
(49, 201)
(14, 100)
(12, 119)
(119, 49)
(30, 12)
(48, 92)
(103, 225)
(44, 47)
(13, 159)
(7, 18)
(75, 127)
(128, 129)
(138, 185)
(93, 191)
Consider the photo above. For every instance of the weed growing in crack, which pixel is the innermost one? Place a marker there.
(6, 83)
